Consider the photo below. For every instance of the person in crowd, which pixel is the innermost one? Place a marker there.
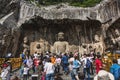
(36, 63)
(14, 78)
(25, 59)
(22, 55)
(5, 73)
(98, 63)
(41, 56)
(104, 75)
(91, 61)
(29, 62)
(71, 70)
(40, 67)
(44, 60)
(86, 65)
(21, 70)
(76, 66)
(25, 72)
(47, 55)
(115, 69)
(118, 60)
(35, 55)
(65, 63)
(49, 70)
(58, 77)
(53, 58)
(71, 58)
(58, 63)
(43, 76)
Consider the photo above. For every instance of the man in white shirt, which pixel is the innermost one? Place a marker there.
(5, 73)
(85, 69)
(49, 70)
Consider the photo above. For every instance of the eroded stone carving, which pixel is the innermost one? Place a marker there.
(116, 40)
(26, 46)
(73, 48)
(40, 46)
(98, 45)
(4, 40)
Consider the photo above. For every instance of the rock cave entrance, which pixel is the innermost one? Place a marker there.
(113, 32)
(77, 32)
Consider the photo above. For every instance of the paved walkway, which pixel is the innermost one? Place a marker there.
(64, 76)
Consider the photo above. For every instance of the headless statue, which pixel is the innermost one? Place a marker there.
(98, 45)
(61, 46)
(25, 45)
(40, 46)
(117, 39)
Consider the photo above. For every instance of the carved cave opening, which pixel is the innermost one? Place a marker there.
(74, 30)
(113, 33)
(77, 32)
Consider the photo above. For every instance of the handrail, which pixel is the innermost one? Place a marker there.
(15, 62)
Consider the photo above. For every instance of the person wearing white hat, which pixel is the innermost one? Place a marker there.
(104, 75)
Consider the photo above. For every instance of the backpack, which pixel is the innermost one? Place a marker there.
(25, 61)
(88, 63)
(23, 55)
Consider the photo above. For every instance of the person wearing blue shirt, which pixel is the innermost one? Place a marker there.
(65, 63)
(115, 69)
(76, 66)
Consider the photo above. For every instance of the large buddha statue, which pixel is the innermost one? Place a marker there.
(61, 46)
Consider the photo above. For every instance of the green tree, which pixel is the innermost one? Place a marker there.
(81, 3)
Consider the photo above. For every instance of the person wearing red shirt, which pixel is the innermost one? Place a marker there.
(36, 64)
(98, 64)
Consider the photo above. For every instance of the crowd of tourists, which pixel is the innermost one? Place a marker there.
(51, 66)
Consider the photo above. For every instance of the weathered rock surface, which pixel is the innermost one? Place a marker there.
(19, 18)
(107, 9)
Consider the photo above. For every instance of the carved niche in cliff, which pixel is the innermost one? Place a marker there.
(113, 37)
(40, 46)
(76, 32)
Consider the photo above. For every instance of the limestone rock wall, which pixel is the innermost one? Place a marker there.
(107, 9)
(19, 18)
(7, 6)
(10, 41)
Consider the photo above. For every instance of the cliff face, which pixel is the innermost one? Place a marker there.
(107, 9)
(7, 6)
(10, 34)
(80, 25)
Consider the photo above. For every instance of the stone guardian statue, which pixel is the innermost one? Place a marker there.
(26, 46)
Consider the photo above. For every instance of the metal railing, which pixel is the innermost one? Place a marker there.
(15, 62)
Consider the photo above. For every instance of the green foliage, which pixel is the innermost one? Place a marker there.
(79, 3)
(86, 3)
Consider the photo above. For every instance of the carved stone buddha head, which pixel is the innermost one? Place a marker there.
(61, 36)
